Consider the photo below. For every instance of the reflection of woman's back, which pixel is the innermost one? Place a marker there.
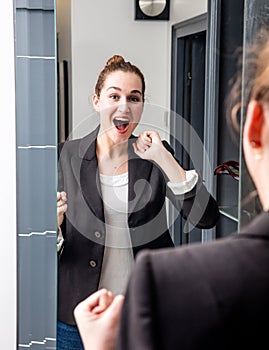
(116, 185)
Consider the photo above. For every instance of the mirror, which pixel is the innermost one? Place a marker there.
(148, 48)
(145, 44)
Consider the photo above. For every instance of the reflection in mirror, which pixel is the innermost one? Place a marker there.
(116, 193)
(36, 132)
(83, 55)
(116, 188)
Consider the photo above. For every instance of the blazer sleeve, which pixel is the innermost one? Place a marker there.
(137, 324)
(197, 206)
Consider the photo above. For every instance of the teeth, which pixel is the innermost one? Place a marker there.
(122, 120)
(121, 123)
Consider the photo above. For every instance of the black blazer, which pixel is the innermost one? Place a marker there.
(208, 296)
(84, 229)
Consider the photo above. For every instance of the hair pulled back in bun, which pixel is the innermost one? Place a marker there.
(114, 60)
(118, 63)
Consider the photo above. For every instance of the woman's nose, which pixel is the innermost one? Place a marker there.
(124, 107)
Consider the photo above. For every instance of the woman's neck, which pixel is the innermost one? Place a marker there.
(112, 158)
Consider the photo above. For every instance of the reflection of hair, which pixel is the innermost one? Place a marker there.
(117, 63)
(254, 82)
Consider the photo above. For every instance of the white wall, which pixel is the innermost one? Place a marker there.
(8, 250)
(181, 10)
(103, 28)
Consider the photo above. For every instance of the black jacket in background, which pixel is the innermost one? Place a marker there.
(209, 296)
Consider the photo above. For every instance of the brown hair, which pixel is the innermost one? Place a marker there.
(117, 63)
(260, 89)
(252, 80)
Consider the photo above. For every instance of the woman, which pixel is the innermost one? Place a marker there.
(218, 298)
(116, 185)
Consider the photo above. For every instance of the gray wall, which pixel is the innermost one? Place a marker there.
(36, 173)
(8, 254)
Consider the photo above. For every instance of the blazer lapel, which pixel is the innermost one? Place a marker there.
(89, 175)
(91, 188)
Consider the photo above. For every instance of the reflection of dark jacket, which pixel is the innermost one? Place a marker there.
(203, 296)
(84, 231)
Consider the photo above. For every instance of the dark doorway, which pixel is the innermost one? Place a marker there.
(191, 93)
(188, 96)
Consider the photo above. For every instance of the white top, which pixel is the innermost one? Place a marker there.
(118, 255)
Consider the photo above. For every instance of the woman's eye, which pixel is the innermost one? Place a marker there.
(114, 97)
(134, 99)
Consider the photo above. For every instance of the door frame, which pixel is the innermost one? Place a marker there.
(210, 23)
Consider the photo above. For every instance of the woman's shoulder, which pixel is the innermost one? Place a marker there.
(78, 146)
(68, 147)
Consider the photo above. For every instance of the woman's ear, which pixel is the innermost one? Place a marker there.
(254, 124)
(95, 102)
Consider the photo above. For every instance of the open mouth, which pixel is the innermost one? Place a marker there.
(121, 124)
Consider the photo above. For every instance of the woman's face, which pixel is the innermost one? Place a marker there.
(120, 105)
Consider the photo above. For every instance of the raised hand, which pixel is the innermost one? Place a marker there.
(61, 206)
(148, 145)
(97, 319)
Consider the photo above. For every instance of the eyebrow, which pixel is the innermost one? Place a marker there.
(119, 89)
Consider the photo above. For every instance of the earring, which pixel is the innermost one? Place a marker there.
(257, 151)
